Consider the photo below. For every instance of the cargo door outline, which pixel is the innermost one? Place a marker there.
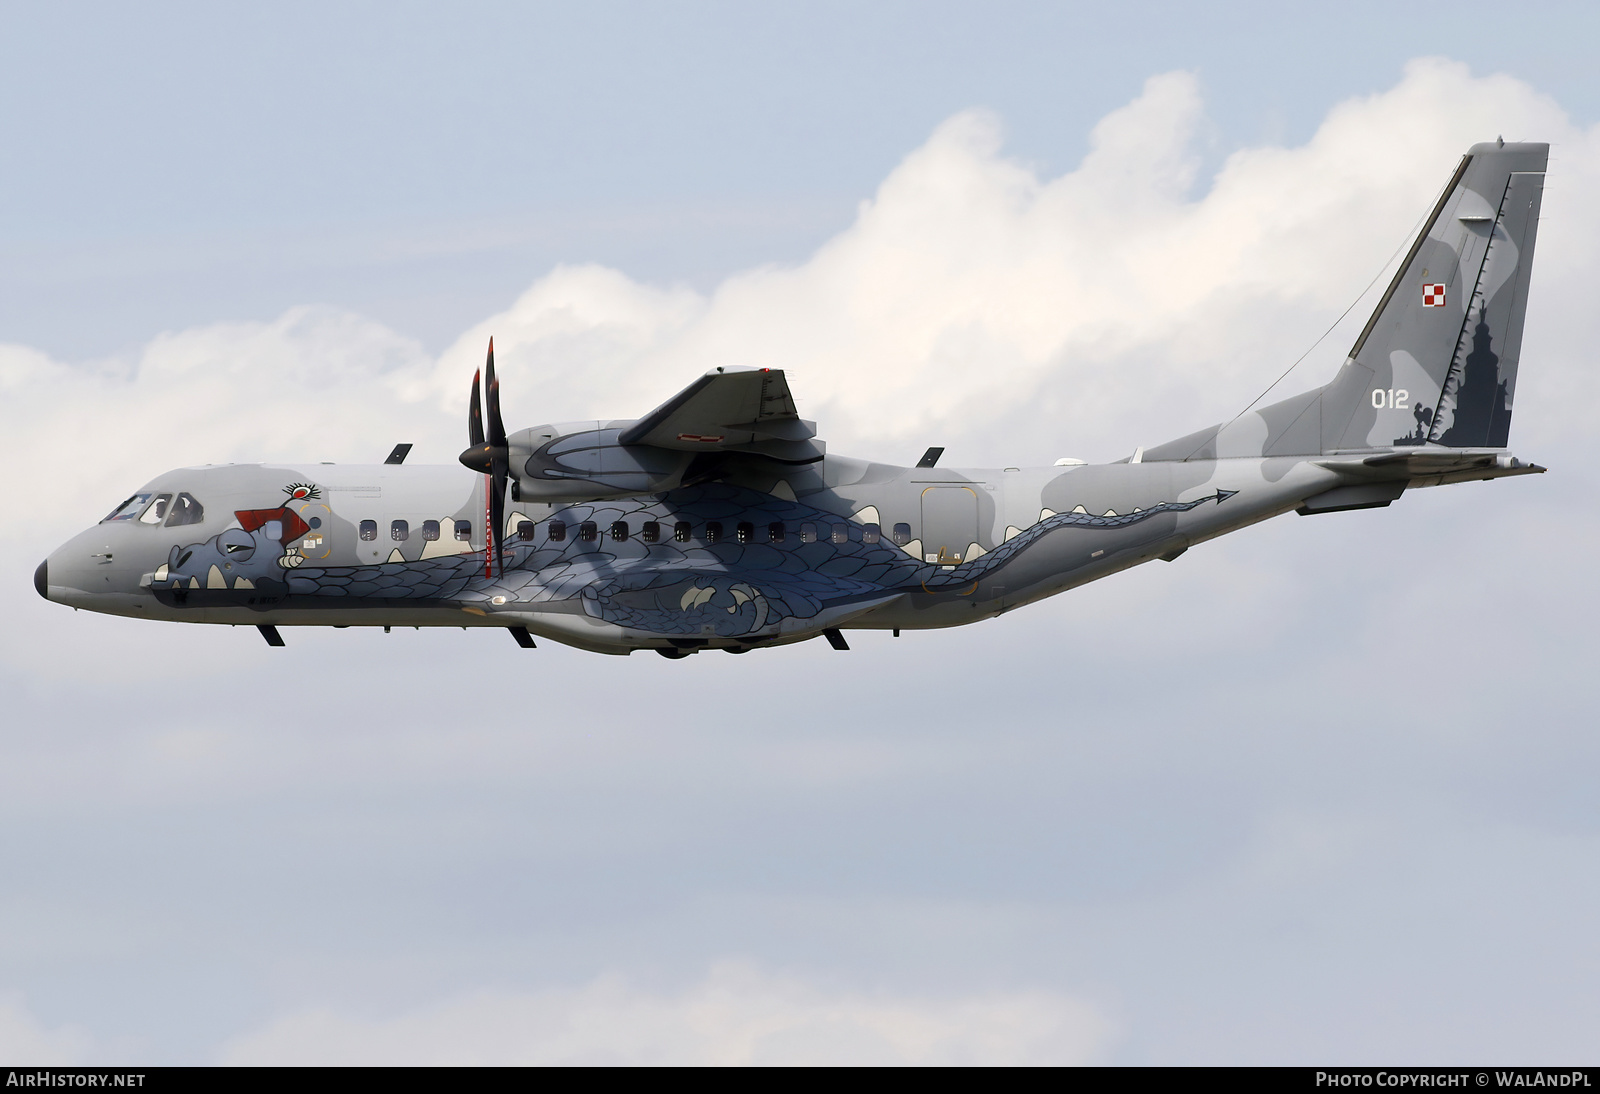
(949, 523)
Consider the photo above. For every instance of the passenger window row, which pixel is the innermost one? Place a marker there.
(400, 530)
(712, 531)
(651, 531)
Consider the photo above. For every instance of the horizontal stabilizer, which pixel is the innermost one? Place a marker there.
(1431, 466)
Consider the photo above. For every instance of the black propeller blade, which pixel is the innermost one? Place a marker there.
(497, 429)
(491, 457)
(475, 416)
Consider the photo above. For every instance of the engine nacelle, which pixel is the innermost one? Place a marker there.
(571, 461)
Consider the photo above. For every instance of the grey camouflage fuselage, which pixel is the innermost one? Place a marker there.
(719, 522)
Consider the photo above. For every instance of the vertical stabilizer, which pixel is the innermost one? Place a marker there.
(1437, 362)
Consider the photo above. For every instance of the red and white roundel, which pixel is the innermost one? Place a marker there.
(1433, 296)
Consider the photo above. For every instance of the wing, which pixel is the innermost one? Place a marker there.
(731, 410)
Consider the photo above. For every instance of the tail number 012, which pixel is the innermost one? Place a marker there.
(1390, 398)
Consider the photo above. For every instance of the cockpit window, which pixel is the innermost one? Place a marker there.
(185, 510)
(156, 511)
(128, 509)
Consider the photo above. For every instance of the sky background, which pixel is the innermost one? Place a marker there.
(1320, 792)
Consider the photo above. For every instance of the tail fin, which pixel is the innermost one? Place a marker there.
(1437, 362)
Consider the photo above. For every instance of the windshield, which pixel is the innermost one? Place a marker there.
(128, 509)
(185, 510)
(157, 510)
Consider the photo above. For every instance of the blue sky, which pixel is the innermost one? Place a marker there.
(1316, 793)
(413, 162)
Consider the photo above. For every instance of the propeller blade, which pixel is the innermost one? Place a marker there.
(490, 457)
(475, 416)
(497, 428)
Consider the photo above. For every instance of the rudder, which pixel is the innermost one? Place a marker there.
(1437, 362)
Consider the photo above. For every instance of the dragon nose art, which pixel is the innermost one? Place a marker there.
(41, 579)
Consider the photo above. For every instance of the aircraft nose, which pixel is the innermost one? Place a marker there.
(41, 579)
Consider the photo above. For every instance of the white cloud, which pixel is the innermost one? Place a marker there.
(737, 1015)
(27, 1042)
(313, 384)
(971, 299)
(969, 287)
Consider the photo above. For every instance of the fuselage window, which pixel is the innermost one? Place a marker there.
(681, 530)
(808, 532)
(588, 531)
(157, 510)
(870, 533)
(399, 530)
(464, 531)
(619, 530)
(745, 532)
(525, 529)
(713, 531)
(369, 530)
(185, 510)
(841, 533)
(430, 530)
(650, 531)
(128, 509)
(556, 531)
(775, 532)
(902, 534)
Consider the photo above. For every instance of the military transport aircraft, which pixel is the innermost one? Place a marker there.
(717, 521)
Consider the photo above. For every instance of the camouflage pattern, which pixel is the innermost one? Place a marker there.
(1424, 399)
